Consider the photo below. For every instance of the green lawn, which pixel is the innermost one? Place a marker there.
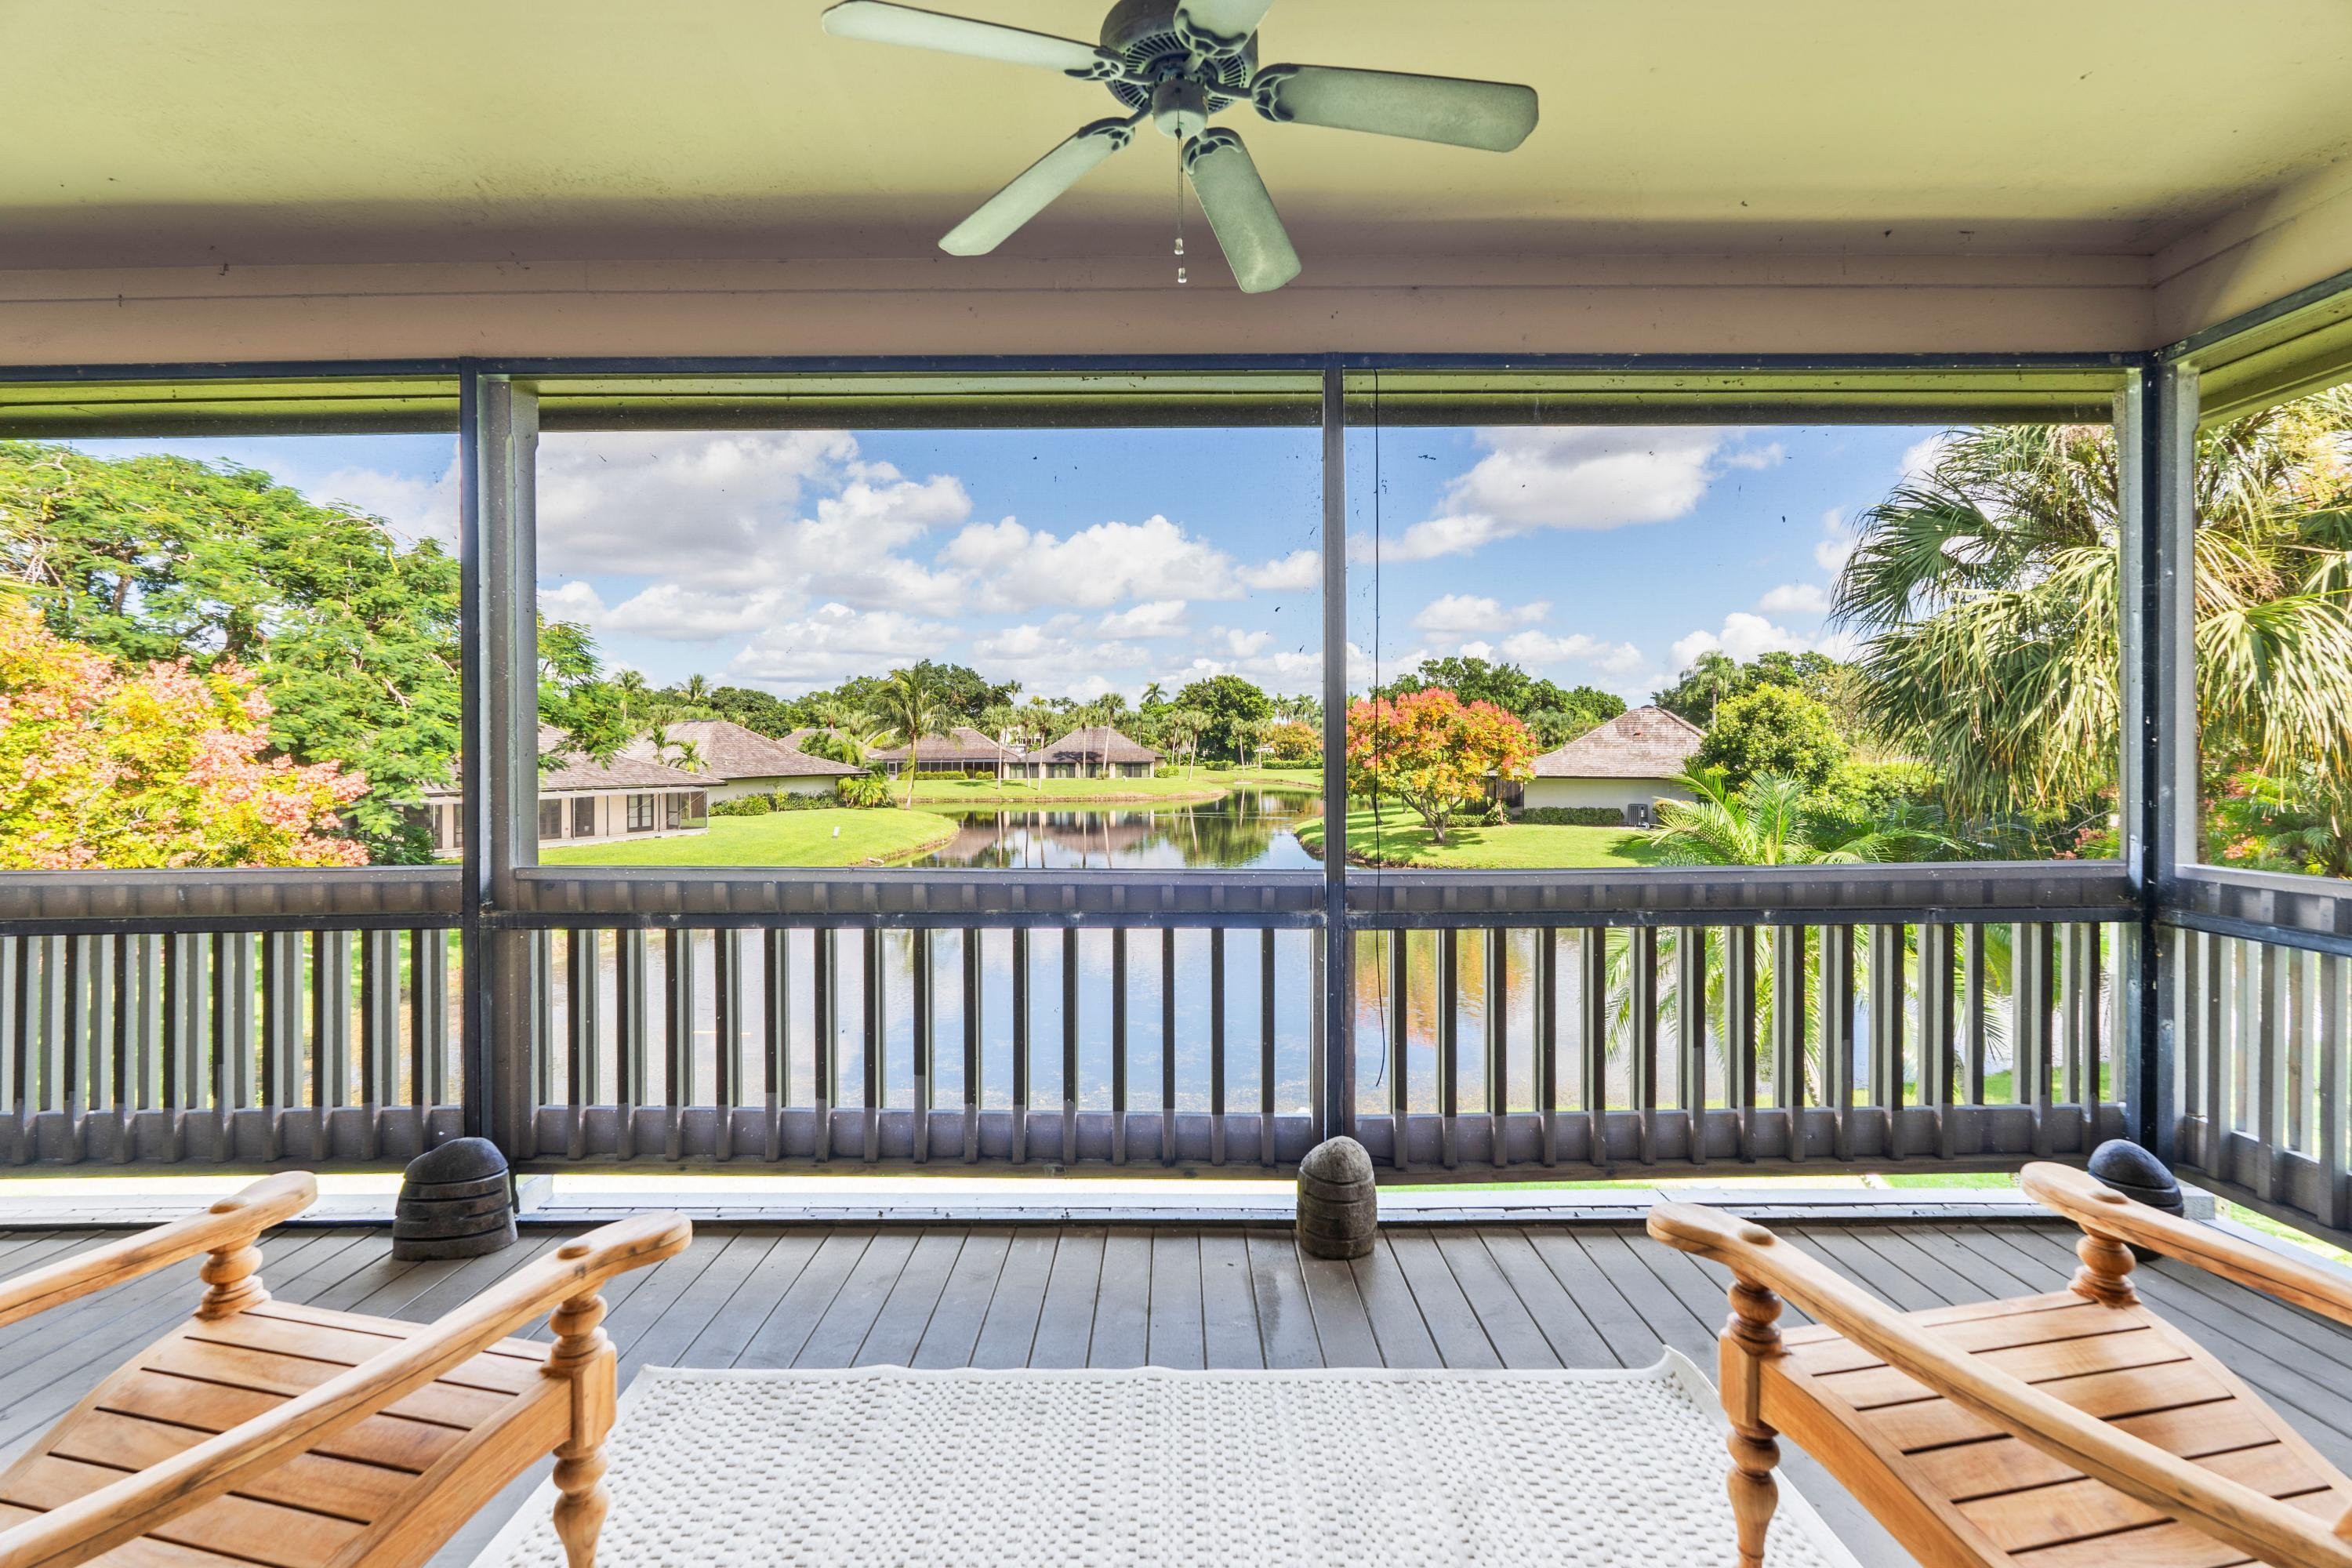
(1520, 847)
(780, 838)
(1016, 792)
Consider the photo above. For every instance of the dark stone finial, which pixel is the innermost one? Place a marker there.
(1338, 1203)
(2134, 1172)
(456, 1201)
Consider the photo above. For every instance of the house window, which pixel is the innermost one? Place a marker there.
(673, 811)
(698, 808)
(641, 813)
(456, 838)
(551, 819)
(584, 817)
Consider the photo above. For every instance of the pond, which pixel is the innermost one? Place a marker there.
(1249, 829)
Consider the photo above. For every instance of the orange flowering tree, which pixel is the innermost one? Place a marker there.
(1433, 751)
(160, 765)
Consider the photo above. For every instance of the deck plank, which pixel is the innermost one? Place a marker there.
(1008, 1334)
(1230, 1336)
(1122, 1321)
(1175, 1336)
(914, 1297)
(1286, 1333)
(952, 1333)
(1066, 1323)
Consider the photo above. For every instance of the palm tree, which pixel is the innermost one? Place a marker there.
(696, 690)
(1987, 589)
(688, 755)
(1765, 823)
(909, 706)
(630, 685)
(1714, 674)
(1153, 695)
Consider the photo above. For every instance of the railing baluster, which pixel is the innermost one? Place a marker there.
(1217, 1045)
(2212, 1021)
(925, 1050)
(15, 1042)
(1020, 1045)
(379, 1033)
(583, 1029)
(141, 962)
(1644, 1005)
(631, 1022)
(2335, 1003)
(727, 1021)
(1495, 1019)
(2032, 949)
(1547, 1007)
(232, 1037)
(1593, 1039)
(1119, 1046)
(1886, 1008)
(972, 1061)
(543, 1044)
(1739, 1036)
(776, 1031)
(1690, 1033)
(331, 1032)
(1837, 1035)
(1939, 1061)
(678, 1037)
(2270, 1043)
(877, 1031)
(825, 986)
(282, 1032)
(1449, 1044)
(1168, 1045)
(1070, 1153)
(1266, 1052)
(1789, 1035)
(1400, 1083)
(1972, 1011)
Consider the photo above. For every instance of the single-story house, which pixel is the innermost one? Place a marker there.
(1096, 750)
(1631, 763)
(734, 761)
(962, 749)
(582, 801)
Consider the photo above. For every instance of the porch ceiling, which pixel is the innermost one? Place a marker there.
(244, 131)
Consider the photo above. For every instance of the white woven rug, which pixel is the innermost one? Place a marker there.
(1154, 1469)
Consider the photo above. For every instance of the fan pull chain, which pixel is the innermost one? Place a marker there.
(1179, 217)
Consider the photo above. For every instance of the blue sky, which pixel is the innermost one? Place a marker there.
(1083, 561)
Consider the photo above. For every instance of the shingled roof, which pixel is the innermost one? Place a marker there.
(1095, 743)
(573, 774)
(725, 750)
(1642, 743)
(961, 743)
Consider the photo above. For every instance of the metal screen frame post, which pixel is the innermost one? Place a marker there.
(2156, 433)
(497, 435)
(1335, 1115)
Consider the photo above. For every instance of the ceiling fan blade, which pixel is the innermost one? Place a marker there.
(1494, 115)
(879, 22)
(1219, 27)
(1030, 191)
(1240, 210)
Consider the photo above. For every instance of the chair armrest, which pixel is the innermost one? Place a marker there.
(230, 1223)
(96, 1523)
(2227, 1509)
(2102, 1211)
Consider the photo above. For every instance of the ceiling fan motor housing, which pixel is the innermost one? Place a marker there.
(1143, 34)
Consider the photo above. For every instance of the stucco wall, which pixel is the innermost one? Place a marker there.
(1618, 792)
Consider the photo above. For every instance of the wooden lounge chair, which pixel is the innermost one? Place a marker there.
(2057, 1431)
(261, 1431)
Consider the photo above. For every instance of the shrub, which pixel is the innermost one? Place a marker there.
(1574, 815)
(748, 806)
(864, 791)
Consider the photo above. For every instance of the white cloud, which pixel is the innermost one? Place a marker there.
(1299, 571)
(707, 510)
(1460, 614)
(1543, 648)
(834, 641)
(687, 615)
(1920, 458)
(416, 509)
(1837, 543)
(573, 602)
(1155, 618)
(1568, 477)
(1049, 660)
(1796, 599)
(1762, 457)
(1016, 568)
(1744, 636)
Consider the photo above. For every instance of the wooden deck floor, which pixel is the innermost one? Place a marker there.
(1468, 1296)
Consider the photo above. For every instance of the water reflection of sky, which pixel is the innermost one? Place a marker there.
(1246, 829)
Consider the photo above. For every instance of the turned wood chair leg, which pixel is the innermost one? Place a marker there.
(231, 1274)
(2105, 1274)
(583, 1355)
(1750, 1338)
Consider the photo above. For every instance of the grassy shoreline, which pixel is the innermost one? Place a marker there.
(1104, 791)
(1516, 846)
(798, 838)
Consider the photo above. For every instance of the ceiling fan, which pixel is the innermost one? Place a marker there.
(1176, 63)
